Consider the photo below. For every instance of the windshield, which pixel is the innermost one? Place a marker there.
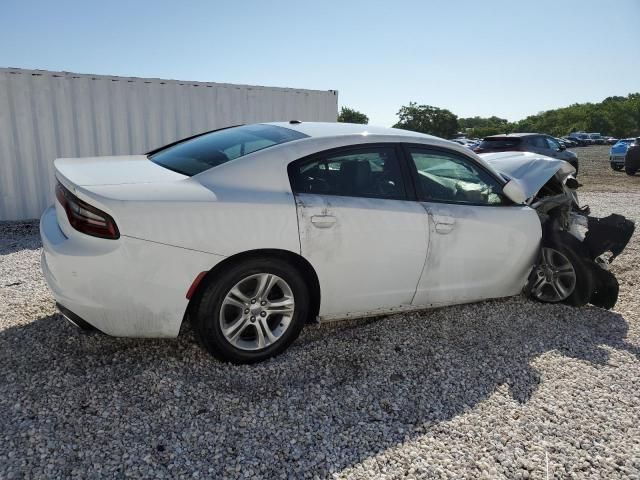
(203, 152)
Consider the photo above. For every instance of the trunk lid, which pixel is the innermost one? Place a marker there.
(114, 170)
(91, 178)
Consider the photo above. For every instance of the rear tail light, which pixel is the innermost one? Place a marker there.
(86, 218)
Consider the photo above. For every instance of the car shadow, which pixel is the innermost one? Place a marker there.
(382, 381)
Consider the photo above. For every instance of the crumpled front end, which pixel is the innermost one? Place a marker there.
(599, 240)
(592, 243)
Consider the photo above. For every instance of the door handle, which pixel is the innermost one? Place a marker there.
(323, 221)
(444, 224)
(444, 228)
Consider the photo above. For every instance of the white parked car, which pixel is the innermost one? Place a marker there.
(252, 231)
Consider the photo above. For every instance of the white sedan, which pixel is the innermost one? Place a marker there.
(252, 231)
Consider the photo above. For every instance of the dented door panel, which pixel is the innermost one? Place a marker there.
(477, 252)
(368, 253)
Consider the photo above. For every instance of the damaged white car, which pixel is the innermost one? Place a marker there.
(252, 231)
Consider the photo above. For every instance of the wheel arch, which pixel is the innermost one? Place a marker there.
(298, 261)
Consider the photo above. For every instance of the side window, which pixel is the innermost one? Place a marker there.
(449, 178)
(539, 142)
(552, 144)
(365, 172)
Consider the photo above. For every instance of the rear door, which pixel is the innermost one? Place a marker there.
(481, 245)
(361, 227)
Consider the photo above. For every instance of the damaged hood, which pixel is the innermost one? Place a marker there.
(530, 170)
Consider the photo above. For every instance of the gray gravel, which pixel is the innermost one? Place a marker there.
(506, 388)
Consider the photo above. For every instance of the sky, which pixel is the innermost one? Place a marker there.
(490, 57)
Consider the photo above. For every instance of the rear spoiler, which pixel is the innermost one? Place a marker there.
(156, 150)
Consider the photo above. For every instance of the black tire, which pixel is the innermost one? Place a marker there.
(630, 171)
(616, 167)
(576, 254)
(206, 318)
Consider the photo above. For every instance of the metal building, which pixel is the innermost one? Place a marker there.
(46, 115)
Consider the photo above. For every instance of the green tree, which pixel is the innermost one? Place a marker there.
(427, 119)
(618, 116)
(348, 115)
(479, 127)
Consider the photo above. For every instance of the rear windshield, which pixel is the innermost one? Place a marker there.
(505, 142)
(201, 153)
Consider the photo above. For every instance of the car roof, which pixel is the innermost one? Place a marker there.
(513, 135)
(332, 129)
(322, 136)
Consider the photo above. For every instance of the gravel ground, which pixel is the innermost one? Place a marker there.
(506, 388)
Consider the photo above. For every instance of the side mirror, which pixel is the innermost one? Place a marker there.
(514, 192)
(562, 147)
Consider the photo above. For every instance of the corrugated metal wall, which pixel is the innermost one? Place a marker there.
(46, 115)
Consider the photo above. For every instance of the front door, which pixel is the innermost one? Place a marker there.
(481, 245)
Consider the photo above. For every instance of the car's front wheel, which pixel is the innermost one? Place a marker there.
(616, 167)
(252, 311)
(561, 275)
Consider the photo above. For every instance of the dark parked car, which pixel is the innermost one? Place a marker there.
(528, 142)
(570, 142)
(632, 158)
(581, 138)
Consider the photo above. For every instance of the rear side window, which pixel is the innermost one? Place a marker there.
(503, 143)
(201, 153)
(366, 172)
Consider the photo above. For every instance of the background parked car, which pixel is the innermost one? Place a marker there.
(617, 153)
(466, 142)
(611, 140)
(597, 138)
(528, 142)
(581, 138)
(570, 142)
(632, 158)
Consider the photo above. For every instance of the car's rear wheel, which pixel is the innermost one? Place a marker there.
(630, 171)
(252, 311)
(560, 274)
(616, 167)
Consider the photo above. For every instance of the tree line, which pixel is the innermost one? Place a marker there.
(615, 116)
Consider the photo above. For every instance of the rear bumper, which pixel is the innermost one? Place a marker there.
(75, 319)
(126, 287)
(616, 159)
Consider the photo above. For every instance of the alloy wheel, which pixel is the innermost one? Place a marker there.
(257, 311)
(555, 278)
